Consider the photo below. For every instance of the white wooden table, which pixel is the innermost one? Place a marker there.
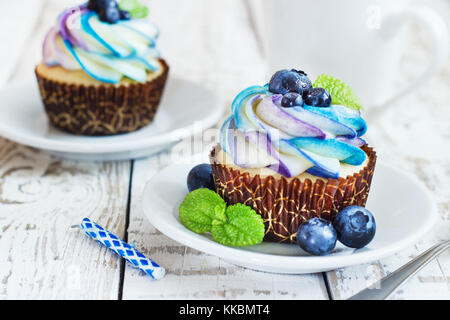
(212, 42)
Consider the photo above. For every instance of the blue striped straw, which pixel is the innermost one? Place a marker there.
(122, 249)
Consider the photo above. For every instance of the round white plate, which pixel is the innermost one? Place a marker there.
(186, 109)
(403, 208)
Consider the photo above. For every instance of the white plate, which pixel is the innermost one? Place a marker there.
(186, 109)
(403, 208)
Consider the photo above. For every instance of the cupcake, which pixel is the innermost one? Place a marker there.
(292, 150)
(101, 73)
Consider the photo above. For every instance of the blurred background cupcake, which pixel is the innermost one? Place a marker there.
(101, 73)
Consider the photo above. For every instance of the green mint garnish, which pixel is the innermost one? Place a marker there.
(134, 7)
(242, 227)
(199, 208)
(340, 92)
(238, 225)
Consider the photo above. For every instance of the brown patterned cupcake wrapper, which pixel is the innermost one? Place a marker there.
(101, 110)
(286, 203)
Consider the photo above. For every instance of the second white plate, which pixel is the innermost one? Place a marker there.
(403, 208)
(186, 109)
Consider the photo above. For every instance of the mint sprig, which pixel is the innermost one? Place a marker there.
(199, 208)
(238, 225)
(340, 92)
(242, 227)
(134, 7)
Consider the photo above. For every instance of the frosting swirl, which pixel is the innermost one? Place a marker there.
(107, 52)
(261, 133)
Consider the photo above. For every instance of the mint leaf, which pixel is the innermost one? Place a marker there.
(134, 7)
(128, 5)
(340, 92)
(238, 225)
(199, 209)
(242, 227)
(139, 12)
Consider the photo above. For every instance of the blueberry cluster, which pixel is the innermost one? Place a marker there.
(354, 227)
(297, 89)
(108, 10)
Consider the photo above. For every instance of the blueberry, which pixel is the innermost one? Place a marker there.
(317, 236)
(305, 82)
(109, 14)
(109, 3)
(285, 81)
(200, 176)
(92, 5)
(99, 5)
(124, 15)
(355, 226)
(291, 99)
(318, 97)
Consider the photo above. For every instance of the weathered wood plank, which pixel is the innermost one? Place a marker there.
(42, 196)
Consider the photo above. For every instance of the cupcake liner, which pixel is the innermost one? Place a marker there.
(101, 109)
(286, 203)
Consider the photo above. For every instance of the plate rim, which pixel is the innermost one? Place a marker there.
(136, 144)
(304, 264)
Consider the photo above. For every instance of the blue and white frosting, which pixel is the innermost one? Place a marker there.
(261, 133)
(107, 52)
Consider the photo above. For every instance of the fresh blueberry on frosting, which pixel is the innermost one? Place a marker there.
(124, 15)
(285, 81)
(98, 5)
(93, 5)
(109, 14)
(318, 97)
(292, 99)
(108, 10)
(305, 82)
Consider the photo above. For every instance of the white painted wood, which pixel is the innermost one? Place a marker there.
(211, 42)
(40, 198)
(41, 257)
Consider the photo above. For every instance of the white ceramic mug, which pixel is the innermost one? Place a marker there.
(358, 41)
